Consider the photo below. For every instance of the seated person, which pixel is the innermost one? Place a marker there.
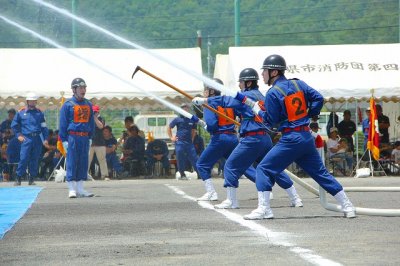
(13, 151)
(113, 162)
(48, 156)
(133, 148)
(157, 150)
(338, 148)
(396, 153)
(385, 151)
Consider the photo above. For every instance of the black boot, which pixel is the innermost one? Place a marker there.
(17, 181)
(30, 181)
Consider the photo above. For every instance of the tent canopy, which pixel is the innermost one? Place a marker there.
(49, 72)
(340, 72)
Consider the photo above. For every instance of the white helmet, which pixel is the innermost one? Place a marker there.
(31, 96)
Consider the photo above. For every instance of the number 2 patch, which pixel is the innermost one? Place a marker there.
(81, 113)
(296, 106)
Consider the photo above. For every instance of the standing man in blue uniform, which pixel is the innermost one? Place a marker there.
(289, 105)
(184, 147)
(75, 131)
(29, 125)
(254, 142)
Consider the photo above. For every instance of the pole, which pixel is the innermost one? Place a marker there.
(199, 39)
(237, 23)
(184, 94)
(208, 57)
(73, 8)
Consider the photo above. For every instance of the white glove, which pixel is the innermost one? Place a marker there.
(199, 100)
(250, 103)
(65, 146)
(256, 108)
(203, 124)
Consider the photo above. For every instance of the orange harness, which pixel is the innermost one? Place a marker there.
(296, 105)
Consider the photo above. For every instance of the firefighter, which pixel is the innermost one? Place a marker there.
(290, 104)
(29, 125)
(76, 131)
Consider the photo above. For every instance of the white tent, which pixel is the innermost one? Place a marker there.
(49, 72)
(342, 73)
(339, 72)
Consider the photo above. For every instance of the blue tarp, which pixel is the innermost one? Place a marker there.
(14, 202)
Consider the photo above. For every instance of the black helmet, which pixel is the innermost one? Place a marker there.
(78, 82)
(274, 62)
(216, 91)
(218, 81)
(248, 74)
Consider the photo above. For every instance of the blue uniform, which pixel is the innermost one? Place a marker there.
(184, 148)
(157, 147)
(223, 141)
(77, 127)
(254, 142)
(365, 129)
(31, 124)
(296, 144)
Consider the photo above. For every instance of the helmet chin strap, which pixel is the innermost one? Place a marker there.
(76, 95)
(270, 77)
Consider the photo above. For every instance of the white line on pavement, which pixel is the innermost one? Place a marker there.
(275, 238)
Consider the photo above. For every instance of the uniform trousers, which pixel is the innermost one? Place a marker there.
(184, 152)
(298, 147)
(31, 150)
(77, 158)
(220, 146)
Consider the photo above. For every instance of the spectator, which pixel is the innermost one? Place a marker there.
(384, 125)
(113, 162)
(6, 124)
(337, 148)
(365, 126)
(347, 128)
(396, 153)
(157, 150)
(47, 161)
(98, 146)
(333, 121)
(134, 147)
(129, 122)
(319, 142)
(13, 151)
(5, 167)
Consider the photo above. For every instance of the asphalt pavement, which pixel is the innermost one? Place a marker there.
(159, 222)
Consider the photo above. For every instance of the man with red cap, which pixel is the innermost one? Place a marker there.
(98, 146)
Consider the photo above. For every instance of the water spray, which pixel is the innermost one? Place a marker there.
(206, 80)
(91, 63)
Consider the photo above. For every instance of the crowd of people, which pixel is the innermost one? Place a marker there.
(275, 132)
